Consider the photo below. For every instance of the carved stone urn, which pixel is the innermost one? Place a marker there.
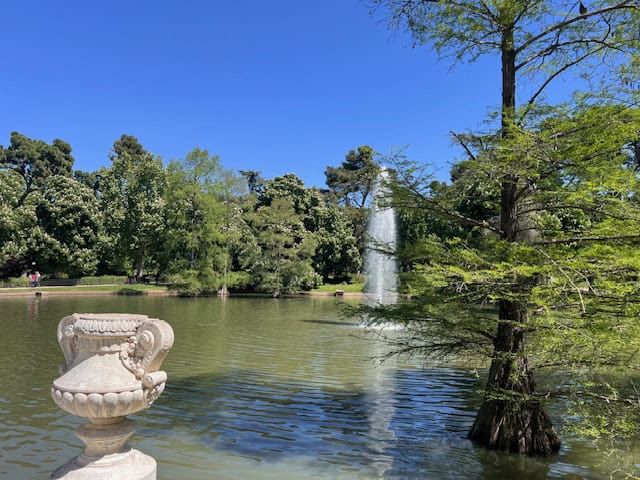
(111, 369)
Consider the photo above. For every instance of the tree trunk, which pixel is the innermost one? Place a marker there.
(511, 418)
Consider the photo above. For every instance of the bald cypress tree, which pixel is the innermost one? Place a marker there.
(536, 42)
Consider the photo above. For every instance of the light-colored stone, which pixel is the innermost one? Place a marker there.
(111, 370)
(128, 465)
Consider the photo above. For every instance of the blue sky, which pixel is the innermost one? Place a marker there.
(280, 86)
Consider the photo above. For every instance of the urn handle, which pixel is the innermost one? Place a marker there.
(67, 341)
(154, 339)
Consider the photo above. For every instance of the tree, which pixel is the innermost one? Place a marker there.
(16, 225)
(337, 249)
(65, 239)
(35, 161)
(90, 179)
(255, 182)
(350, 185)
(131, 196)
(281, 258)
(540, 40)
(353, 180)
(196, 216)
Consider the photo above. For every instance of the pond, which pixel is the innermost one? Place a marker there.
(262, 389)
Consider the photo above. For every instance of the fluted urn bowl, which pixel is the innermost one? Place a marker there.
(111, 364)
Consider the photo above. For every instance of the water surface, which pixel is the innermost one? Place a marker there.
(262, 389)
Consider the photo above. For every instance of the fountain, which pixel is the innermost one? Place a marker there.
(381, 269)
(381, 266)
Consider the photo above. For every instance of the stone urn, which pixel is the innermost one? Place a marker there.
(111, 369)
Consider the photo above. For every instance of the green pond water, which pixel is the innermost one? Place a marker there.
(262, 389)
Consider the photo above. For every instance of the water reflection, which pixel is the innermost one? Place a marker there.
(262, 389)
(382, 432)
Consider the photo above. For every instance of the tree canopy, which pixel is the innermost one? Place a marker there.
(35, 161)
(525, 170)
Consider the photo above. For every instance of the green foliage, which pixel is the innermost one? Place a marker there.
(195, 214)
(35, 161)
(132, 202)
(280, 261)
(192, 222)
(337, 252)
(129, 291)
(19, 282)
(16, 223)
(345, 287)
(574, 267)
(66, 234)
(548, 38)
(353, 180)
(254, 180)
(557, 182)
(189, 283)
(607, 409)
(193, 283)
(350, 186)
(236, 280)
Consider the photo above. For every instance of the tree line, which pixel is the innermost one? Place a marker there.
(191, 223)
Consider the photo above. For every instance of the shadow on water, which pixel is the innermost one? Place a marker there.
(412, 426)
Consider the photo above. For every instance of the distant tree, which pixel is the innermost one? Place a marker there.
(195, 242)
(89, 179)
(351, 184)
(131, 196)
(337, 250)
(281, 259)
(255, 182)
(288, 186)
(16, 224)
(305, 201)
(66, 237)
(353, 180)
(129, 145)
(35, 161)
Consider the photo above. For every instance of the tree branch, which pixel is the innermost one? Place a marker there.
(627, 4)
(560, 241)
(554, 75)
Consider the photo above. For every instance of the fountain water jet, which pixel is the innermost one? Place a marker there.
(381, 266)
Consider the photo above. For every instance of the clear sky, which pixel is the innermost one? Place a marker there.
(279, 86)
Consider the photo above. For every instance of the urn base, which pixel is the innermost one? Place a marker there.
(130, 465)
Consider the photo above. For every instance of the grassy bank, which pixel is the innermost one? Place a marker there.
(142, 289)
(345, 287)
(115, 289)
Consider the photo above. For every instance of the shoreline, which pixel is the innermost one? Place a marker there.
(87, 291)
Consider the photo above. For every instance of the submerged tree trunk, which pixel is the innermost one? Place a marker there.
(510, 417)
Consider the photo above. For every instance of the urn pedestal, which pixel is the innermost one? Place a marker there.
(111, 370)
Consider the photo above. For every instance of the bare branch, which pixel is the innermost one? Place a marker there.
(625, 5)
(554, 75)
(464, 145)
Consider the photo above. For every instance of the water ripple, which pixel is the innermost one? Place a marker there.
(261, 389)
